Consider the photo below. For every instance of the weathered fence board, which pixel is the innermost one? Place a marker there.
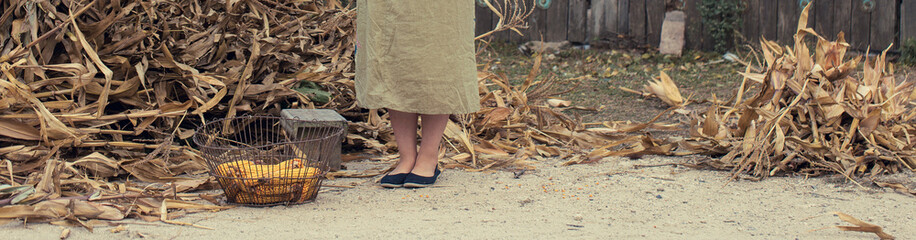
(623, 18)
(539, 24)
(596, 18)
(768, 19)
(655, 15)
(695, 33)
(908, 20)
(557, 21)
(536, 26)
(578, 21)
(860, 26)
(824, 23)
(842, 20)
(611, 26)
(637, 13)
(884, 20)
(483, 21)
(752, 21)
(787, 20)
(599, 19)
(877, 25)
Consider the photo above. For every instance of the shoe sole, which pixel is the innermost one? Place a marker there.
(388, 185)
(415, 185)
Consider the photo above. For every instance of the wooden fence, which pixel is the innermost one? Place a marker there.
(876, 23)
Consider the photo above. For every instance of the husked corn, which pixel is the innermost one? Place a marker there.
(289, 180)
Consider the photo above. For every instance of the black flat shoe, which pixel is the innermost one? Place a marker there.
(417, 181)
(393, 181)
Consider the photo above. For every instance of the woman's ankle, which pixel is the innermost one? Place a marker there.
(425, 167)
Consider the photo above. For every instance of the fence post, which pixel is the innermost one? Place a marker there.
(578, 21)
(637, 13)
(557, 21)
(907, 20)
(695, 34)
(883, 22)
(655, 15)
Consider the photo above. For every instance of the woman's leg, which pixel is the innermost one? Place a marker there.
(405, 133)
(428, 157)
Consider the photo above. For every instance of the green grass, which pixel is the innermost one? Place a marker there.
(607, 70)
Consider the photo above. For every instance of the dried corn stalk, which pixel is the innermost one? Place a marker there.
(512, 14)
(97, 89)
(90, 90)
(862, 226)
(811, 114)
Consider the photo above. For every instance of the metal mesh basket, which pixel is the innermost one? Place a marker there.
(264, 160)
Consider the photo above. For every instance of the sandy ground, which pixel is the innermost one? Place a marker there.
(607, 199)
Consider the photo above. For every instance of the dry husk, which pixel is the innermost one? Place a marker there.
(811, 112)
(102, 89)
(112, 90)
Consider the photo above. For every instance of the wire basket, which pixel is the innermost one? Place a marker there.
(266, 160)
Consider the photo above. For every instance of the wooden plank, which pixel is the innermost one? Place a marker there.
(883, 22)
(655, 15)
(694, 33)
(637, 13)
(907, 20)
(623, 17)
(860, 26)
(842, 18)
(483, 21)
(537, 26)
(751, 28)
(824, 24)
(610, 21)
(557, 21)
(597, 18)
(768, 19)
(787, 20)
(578, 21)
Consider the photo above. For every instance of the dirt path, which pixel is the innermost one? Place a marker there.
(586, 201)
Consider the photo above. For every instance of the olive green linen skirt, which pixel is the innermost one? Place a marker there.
(416, 56)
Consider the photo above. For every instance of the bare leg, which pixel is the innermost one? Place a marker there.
(405, 133)
(428, 156)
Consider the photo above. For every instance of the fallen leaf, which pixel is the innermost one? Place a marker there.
(862, 226)
(553, 102)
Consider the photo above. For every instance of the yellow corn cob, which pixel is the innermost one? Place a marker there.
(308, 189)
(296, 175)
(292, 163)
(233, 169)
(265, 184)
(277, 190)
(265, 194)
(253, 198)
(260, 173)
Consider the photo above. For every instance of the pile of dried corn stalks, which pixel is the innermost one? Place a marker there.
(98, 89)
(811, 113)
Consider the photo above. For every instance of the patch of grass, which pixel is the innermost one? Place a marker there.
(699, 75)
(908, 52)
